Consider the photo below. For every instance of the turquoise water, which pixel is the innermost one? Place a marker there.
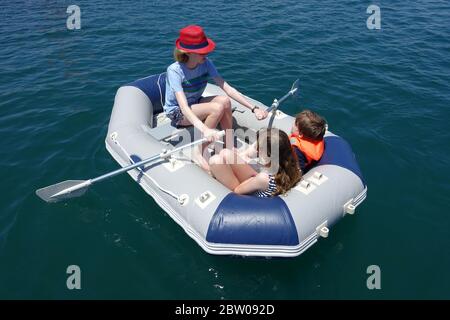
(386, 91)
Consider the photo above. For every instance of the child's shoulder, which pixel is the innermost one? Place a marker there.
(174, 67)
(209, 61)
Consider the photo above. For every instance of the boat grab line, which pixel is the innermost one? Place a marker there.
(181, 199)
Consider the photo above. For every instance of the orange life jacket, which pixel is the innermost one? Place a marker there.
(313, 150)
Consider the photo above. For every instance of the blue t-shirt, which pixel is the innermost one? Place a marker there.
(191, 81)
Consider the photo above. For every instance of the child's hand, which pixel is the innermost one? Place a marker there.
(211, 135)
(260, 114)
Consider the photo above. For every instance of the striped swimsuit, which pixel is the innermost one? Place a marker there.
(270, 191)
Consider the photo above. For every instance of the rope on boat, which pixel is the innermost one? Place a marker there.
(181, 198)
(160, 92)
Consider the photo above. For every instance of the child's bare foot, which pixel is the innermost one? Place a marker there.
(198, 158)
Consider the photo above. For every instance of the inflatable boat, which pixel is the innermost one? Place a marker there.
(220, 221)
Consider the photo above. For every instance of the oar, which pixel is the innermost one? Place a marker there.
(76, 188)
(276, 103)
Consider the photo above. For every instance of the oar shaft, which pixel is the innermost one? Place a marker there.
(278, 102)
(124, 169)
(140, 163)
(284, 97)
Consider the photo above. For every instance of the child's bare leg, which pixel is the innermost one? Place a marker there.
(241, 170)
(223, 172)
(211, 113)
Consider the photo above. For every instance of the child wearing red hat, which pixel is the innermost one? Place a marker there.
(186, 81)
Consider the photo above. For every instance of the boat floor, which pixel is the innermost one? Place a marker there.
(173, 137)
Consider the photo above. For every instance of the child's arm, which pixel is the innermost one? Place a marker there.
(258, 182)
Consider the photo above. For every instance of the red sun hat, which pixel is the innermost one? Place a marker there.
(193, 39)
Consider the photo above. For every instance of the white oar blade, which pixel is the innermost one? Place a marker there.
(295, 88)
(62, 190)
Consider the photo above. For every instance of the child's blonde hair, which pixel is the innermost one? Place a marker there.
(180, 55)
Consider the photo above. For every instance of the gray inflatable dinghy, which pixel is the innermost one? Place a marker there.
(220, 221)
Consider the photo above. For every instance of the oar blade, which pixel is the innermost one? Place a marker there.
(295, 88)
(62, 190)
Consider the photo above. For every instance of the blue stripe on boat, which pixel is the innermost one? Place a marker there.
(241, 219)
(338, 152)
(149, 85)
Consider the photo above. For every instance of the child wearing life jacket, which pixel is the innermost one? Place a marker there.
(307, 138)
